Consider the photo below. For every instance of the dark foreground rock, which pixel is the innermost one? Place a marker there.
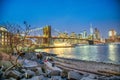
(54, 73)
(14, 74)
(72, 75)
(56, 78)
(109, 78)
(64, 74)
(29, 74)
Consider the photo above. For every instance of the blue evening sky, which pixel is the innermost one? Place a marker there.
(64, 15)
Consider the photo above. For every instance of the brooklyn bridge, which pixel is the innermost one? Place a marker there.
(49, 36)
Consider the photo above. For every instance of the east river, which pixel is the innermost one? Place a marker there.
(100, 53)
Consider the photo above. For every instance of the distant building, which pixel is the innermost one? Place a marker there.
(112, 34)
(84, 34)
(91, 29)
(113, 37)
(80, 36)
(96, 34)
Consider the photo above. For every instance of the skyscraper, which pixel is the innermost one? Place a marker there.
(112, 34)
(96, 34)
(84, 34)
(91, 29)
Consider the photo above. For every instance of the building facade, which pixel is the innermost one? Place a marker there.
(4, 36)
(85, 34)
(96, 34)
(112, 34)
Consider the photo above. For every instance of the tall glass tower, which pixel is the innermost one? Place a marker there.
(91, 29)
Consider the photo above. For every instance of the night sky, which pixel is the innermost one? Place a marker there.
(64, 15)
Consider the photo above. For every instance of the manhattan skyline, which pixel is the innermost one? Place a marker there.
(65, 15)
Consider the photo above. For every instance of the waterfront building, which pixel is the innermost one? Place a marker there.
(7, 38)
(112, 34)
(4, 36)
(118, 38)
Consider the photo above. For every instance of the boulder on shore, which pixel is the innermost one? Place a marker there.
(64, 74)
(56, 78)
(29, 73)
(54, 73)
(14, 74)
(72, 75)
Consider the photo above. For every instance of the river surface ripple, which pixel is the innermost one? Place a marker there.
(100, 53)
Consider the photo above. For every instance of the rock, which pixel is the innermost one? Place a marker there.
(23, 79)
(56, 78)
(86, 75)
(29, 74)
(115, 78)
(12, 78)
(92, 76)
(64, 74)
(102, 78)
(39, 71)
(19, 69)
(1, 73)
(14, 74)
(72, 75)
(28, 63)
(37, 77)
(109, 78)
(23, 70)
(34, 69)
(40, 61)
(43, 68)
(54, 73)
(87, 78)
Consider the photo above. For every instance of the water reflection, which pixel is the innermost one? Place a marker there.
(112, 55)
(104, 53)
(85, 53)
(61, 52)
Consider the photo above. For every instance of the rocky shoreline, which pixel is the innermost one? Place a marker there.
(32, 68)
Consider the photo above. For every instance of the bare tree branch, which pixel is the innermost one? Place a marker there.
(16, 39)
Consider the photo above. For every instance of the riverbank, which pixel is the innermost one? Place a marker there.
(56, 47)
(89, 66)
(64, 69)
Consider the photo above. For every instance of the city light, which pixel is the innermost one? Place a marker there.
(61, 44)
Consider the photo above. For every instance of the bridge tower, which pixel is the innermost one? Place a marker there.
(47, 35)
